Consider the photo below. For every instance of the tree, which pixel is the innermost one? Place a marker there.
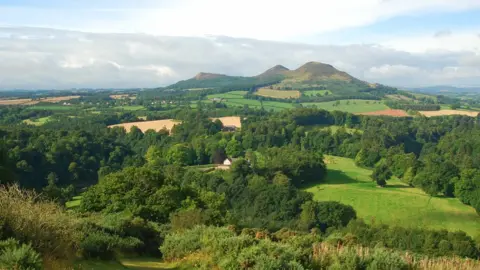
(381, 173)
(180, 154)
(234, 148)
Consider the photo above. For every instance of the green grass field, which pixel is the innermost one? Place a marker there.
(396, 204)
(37, 122)
(52, 107)
(74, 203)
(350, 105)
(235, 99)
(312, 93)
(229, 95)
(265, 92)
(131, 108)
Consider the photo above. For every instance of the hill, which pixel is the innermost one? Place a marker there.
(274, 71)
(310, 76)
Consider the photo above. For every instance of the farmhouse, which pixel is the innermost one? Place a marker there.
(229, 161)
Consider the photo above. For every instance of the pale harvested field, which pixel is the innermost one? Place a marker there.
(14, 101)
(265, 92)
(448, 112)
(230, 121)
(395, 113)
(168, 124)
(121, 96)
(156, 125)
(28, 101)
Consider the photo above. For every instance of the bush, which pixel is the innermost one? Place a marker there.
(44, 224)
(178, 245)
(101, 245)
(384, 259)
(15, 257)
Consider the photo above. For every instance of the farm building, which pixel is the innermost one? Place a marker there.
(229, 161)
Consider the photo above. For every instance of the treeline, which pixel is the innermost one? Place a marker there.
(412, 106)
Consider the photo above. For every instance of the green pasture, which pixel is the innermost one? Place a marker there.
(349, 105)
(396, 204)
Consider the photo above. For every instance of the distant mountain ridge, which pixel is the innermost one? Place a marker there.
(311, 75)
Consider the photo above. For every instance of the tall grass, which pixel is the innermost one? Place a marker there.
(325, 254)
(44, 224)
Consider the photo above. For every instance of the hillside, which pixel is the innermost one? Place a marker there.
(310, 76)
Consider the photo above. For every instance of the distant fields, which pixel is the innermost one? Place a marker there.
(236, 99)
(349, 105)
(229, 95)
(397, 204)
(313, 93)
(265, 92)
(449, 112)
(53, 107)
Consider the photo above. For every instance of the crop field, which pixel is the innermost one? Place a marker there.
(313, 93)
(29, 101)
(389, 112)
(349, 105)
(168, 124)
(265, 92)
(396, 204)
(448, 112)
(230, 121)
(146, 125)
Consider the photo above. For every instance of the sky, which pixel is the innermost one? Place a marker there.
(149, 43)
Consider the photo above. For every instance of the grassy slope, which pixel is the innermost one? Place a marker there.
(397, 204)
(360, 106)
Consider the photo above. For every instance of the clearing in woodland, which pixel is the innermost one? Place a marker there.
(396, 204)
(265, 92)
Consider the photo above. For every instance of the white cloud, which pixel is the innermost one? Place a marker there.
(76, 59)
(454, 41)
(261, 19)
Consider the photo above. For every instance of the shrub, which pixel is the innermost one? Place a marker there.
(102, 245)
(384, 259)
(178, 245)
(16, 257)
(44, 224)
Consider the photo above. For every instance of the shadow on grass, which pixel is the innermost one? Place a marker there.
(397, 186)
(337, 177)
(334, 177)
